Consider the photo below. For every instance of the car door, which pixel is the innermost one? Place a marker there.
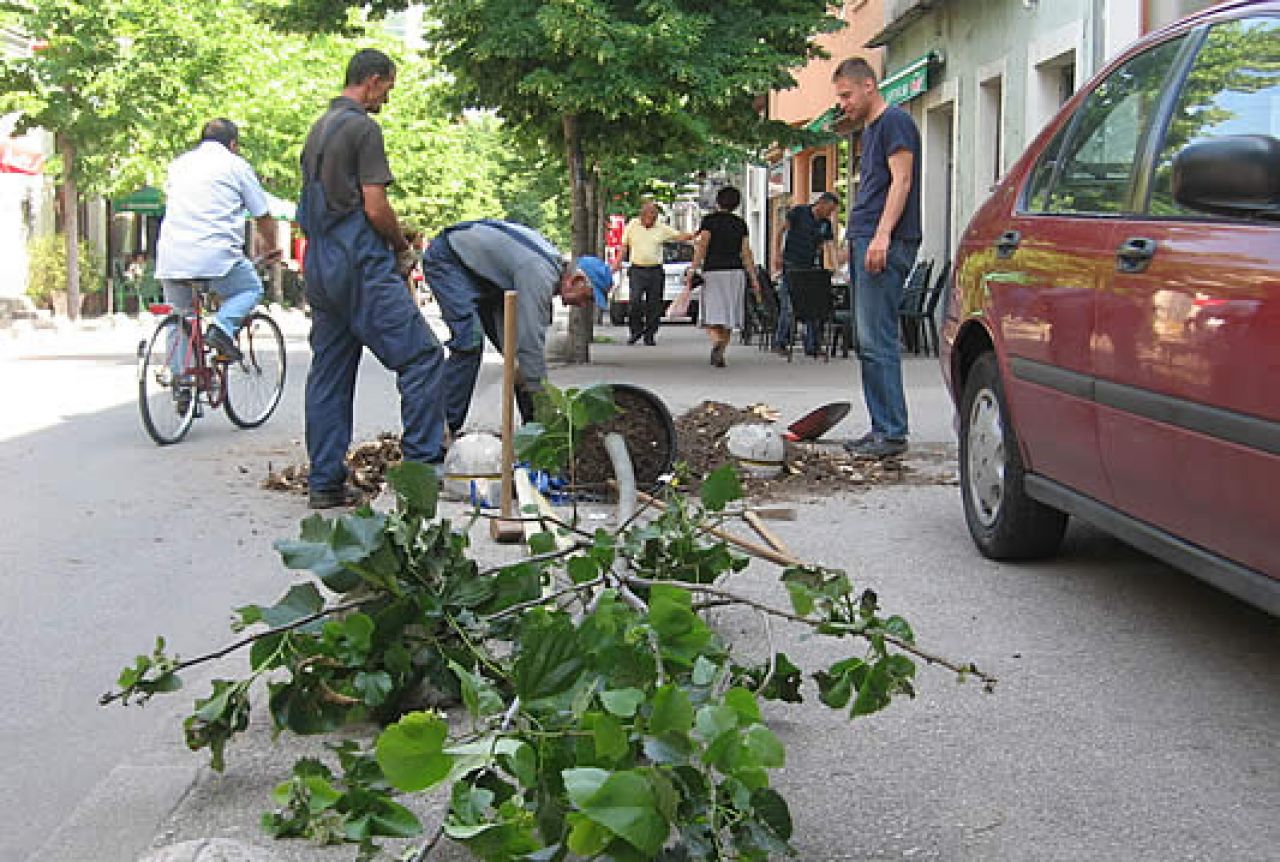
(1188, 347)
(1059, 252)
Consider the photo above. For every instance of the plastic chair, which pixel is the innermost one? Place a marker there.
(915, 293)
(922, 316)
(761, 315)
(811, 303)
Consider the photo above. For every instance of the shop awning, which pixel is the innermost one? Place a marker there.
(911, 80)
(21, 156)
(147, 200)
(824, 122)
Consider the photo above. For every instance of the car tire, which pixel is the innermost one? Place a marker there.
(1006, 524)
(618, 313)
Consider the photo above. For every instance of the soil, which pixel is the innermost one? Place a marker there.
(645, 426)
(810, 470)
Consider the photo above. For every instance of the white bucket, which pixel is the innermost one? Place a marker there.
(758, 449)
(473, 470)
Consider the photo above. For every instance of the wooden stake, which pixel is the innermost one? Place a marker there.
(502, 528)
(765, 533)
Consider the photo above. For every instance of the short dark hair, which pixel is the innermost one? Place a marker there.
(367, 63)
(828, 196)
(855, 69)
(728, 198)
(221, 130)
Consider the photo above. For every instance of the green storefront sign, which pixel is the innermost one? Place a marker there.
(910, 81)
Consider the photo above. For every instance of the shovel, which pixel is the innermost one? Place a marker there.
(815, 423)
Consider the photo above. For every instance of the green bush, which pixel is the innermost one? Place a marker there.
(47, 268)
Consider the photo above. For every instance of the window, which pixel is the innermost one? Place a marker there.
(1233, 89)
(817, 174)
(1094, 173)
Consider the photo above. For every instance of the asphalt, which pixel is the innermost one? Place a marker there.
(1135, 717)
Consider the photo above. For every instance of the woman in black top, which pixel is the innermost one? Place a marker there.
(722, 254)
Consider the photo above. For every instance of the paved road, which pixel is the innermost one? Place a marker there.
(1135, 719)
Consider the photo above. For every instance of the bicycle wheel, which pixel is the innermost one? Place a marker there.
(256, 382)
(167, 402)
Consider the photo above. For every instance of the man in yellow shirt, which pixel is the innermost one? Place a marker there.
(642, 245)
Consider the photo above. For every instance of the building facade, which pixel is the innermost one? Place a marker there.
(998, 70)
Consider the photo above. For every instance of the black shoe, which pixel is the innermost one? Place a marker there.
(336, 498)
(635, 336)
(223, 345)
(717, 357)
(649, 342)
(879, 447)
(182, 399)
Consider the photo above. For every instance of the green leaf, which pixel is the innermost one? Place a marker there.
(301, 601)
(714, 720)
(417, 488)
(522, 764)
(468, 590)
(411, 751)
(720, 487)
(586, 837)
(705, 671)
(771, 809)
(768, 751)
(606, 731)
(669, 749)
(542, 543)
(744, 704)
(900, 628)
(549, 660)
(672, 711)
(478, 694)
(582, 569)
(373, 687)
(622, 802)
(622, 702)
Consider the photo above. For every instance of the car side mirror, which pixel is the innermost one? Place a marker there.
(1236, 175)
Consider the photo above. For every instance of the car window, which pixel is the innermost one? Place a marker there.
(1233, 89)
(1094, 173)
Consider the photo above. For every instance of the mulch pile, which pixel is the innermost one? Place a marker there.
(811, 469)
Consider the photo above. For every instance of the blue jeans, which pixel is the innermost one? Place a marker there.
(782, 338)
(876, 299)
(239, 291)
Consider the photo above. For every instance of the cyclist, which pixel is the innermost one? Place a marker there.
(208, 191)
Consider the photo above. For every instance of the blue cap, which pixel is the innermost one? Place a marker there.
(601, 277)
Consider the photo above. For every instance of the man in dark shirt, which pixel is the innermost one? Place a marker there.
(884, 236)
(356, 262)
(799, 244)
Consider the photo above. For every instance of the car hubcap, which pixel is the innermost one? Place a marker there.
(985, 457)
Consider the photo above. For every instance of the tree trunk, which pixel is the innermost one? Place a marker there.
(71, 224)
(581, 320)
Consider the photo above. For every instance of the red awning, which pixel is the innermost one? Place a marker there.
(20, 156)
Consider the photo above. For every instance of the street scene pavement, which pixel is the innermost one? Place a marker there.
(1135, 716)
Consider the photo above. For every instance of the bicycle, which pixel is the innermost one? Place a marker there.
(178, 371)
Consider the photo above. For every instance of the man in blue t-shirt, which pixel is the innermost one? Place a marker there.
(799, 244)
(884, 236)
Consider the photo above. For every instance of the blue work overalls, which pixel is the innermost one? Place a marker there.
(358, 300)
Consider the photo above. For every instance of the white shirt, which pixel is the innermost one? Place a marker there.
(208, 191)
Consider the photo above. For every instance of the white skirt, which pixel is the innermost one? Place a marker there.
(721, 303)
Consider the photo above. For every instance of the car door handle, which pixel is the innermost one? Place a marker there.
(1007, 244)
(1135, 254)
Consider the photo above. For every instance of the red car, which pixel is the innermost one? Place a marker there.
(1112, 334)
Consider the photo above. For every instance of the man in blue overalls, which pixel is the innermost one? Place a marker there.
(356, 263)
(468, 267)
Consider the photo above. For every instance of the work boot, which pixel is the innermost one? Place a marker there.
(223, 345)
(879, 447)
(334, 498)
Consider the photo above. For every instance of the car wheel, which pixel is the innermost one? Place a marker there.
(618, 313)
(1005, 523)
